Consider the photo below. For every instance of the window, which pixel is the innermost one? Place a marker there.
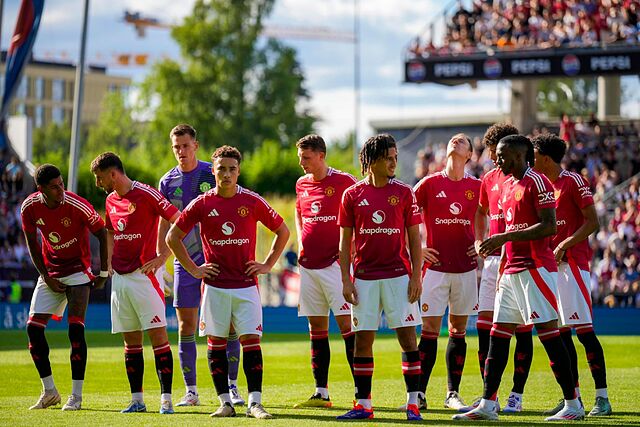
(39, 88)
(57, 90)
(57, 115)
(39, 116)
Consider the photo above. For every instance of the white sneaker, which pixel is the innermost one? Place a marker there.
(47, 398)
(189, 399)
(166, 407)
(476, 414)
(74, 403)
(256, 410)
(454, 401)
(236, 399)
(514, 404)
(225, 410)
(567, 414)
(475, 404)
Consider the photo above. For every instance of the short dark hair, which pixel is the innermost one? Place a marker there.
(183, 129)
(228, 152)
(375, 148)
(45, 173)
(312, 142)
(496, 132)
(549, 144)
(523, 143)
(106, 161)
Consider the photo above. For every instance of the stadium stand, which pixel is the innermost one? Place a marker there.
(505, 25)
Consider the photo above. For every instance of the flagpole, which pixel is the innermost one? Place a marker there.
(78, 94)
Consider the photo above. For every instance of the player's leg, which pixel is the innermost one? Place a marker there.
(410, 370)
(456, 355)
(44, 303)
(78, 298)
(164, 365)
(486, 301)
(233, 359)
(187, 353)
(522, 358)
(134, 364)
(349, 337)
(595, 359)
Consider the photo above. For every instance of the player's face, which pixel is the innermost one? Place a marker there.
(504, 159)
(492, 153)
(459, 146)
(310, 161)
(226, 171)
(104, 180)
(184, 149)
(540, 161)
(386, 165)
(53, 191)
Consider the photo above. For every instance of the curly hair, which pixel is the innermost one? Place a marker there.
(496, 132)
(375, 148)
(228, 152)
(549, 144)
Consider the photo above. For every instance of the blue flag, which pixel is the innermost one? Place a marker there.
(18, 54)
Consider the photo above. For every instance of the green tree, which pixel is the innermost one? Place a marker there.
(571, 96)
(51, 143)
(233, 88)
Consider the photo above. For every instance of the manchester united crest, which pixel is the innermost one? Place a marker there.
(243, 211)
(329, 191)
(425, 307)
(393, 200)
(202, 326)
(132, 207)
(518, 195)
(469, 194)
(66, 222)
(556, 194)
(355, 321)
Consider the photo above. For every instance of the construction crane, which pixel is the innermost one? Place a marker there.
(141, 23)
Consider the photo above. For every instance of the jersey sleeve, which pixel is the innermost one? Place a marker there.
(420, 194)
(190, 216)
(298, 209)
(581, 192)
(542, 192)
(107, 218)
(411, 211)
(163, 207)
(28, 225)
(483, 200)
(345, 215)
(267, 215)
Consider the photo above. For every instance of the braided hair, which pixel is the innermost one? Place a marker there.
(375, 148)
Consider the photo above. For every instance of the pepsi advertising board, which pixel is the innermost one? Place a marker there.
(516, 65)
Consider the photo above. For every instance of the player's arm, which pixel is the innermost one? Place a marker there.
(544, 228)
(415, 251)
(590, 226)
(348, 289)
(101, 235)
(162, 250)
(298, 220)
(277, 246)
(174, 243)
(38, 261)
(480, 226)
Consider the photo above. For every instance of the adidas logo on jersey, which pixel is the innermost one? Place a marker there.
(40, 221)
(113, 210)
(410, 318)
(534, 315)
(364, 202)
(345, 307)
(441, 195)
(156, 319)
(213, 213)
(495, 188)
(574, 316)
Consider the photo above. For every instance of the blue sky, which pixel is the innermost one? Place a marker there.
(386, 26)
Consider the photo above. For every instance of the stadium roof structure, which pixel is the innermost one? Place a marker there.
(619, 59)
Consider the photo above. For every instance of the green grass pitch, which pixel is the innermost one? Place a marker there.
(287, 380)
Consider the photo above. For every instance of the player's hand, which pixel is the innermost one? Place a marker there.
(415, 290)
(208, 270)
(476, 246)
(153, 265)
(491, 244)
(98, 282)
(349, 292)
(430, 255)
(471, 251)
(254, 268)
(55, 285)
(558, 253)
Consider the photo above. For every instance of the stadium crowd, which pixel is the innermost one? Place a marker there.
(606, 155)
(13, 250)
(534, 24)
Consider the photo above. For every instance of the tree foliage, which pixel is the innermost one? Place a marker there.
(571, 96)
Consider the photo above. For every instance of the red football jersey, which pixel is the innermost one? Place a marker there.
(379, 218)
(228, 232)
(448, 211)
(521, 200)
(572, 194)
(318, 205)
(64, 231)
(490, 189)
(134, 218)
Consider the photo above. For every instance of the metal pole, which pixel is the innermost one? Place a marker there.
(356, 80)
(77, 106)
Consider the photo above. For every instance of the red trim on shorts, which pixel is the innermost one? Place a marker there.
(583, 287)
(523, 329)
(156, 286)
(544, 288)
(76, 319)
(89, 274)
(162, 348)
(318, 335)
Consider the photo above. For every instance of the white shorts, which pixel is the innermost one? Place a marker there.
(222, 307)
(459, 291)
(574, 299)
(390, 295)
(487, 291)
(137, 302)
(46, 301)
(321, 291)
(527, 297)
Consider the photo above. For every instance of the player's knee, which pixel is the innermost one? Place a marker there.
(36, 325)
